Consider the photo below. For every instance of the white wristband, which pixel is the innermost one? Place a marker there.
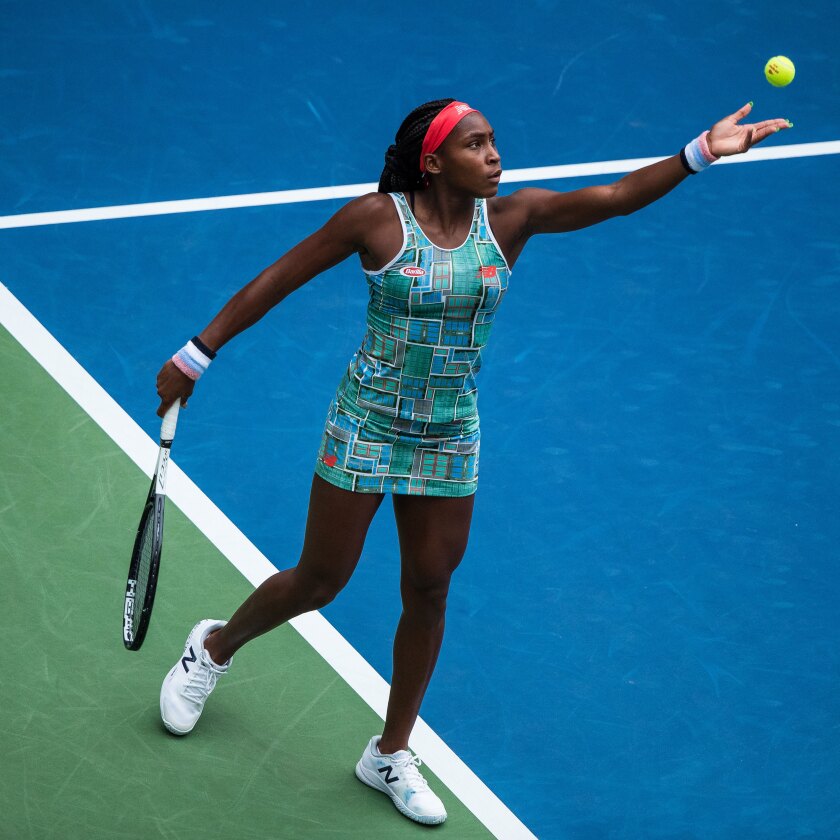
(193, 358)
(697, 155)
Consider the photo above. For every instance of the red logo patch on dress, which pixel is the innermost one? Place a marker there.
(330, 460)
(412, 272)
(487, 272)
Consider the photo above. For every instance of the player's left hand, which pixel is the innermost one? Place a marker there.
(728, 138)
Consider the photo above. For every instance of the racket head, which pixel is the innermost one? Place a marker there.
(143, 572)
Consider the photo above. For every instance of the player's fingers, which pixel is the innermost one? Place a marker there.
(772, 124)
(740, 113)
(167, 398)
(748, 141)
(769, 127)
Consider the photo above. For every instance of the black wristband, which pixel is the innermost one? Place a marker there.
(684, 161)
(211, 354)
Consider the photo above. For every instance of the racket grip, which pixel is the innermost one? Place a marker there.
(170, 420)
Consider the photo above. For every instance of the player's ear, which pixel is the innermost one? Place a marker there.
(432, 164)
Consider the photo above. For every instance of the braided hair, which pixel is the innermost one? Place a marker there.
(402, 160)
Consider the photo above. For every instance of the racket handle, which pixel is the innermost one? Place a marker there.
(170, 420)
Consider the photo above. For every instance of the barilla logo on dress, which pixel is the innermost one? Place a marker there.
(487, 272)
(413, 272)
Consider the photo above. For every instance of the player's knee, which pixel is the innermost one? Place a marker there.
(317, 591)
(325, 591)
(426, 593)
(320, 597)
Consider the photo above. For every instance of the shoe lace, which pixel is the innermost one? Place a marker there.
(202, 681)
(408, 765)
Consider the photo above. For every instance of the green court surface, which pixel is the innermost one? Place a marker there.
(84, 754)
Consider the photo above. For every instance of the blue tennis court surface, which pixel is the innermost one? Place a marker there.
(642, 640)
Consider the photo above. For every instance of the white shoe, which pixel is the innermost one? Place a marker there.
(188, 685)
(397, 775)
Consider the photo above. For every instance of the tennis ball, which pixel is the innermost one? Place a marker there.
(779, 71)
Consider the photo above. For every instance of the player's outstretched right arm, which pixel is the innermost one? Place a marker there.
(546, 211)
(344, 234)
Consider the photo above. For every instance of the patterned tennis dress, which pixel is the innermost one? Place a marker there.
(404, 418)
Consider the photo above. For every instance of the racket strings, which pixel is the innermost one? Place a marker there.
(143, 569)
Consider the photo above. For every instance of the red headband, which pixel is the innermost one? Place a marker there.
(441, 127)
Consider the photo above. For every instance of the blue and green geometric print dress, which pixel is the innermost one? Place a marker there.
(404, 418)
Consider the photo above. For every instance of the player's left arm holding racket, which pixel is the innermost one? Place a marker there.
(347, 232)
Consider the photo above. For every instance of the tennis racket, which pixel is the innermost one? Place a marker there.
(145, 558)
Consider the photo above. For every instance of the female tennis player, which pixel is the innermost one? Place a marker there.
(437, 245)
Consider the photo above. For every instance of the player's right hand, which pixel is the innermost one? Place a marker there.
(173, 385)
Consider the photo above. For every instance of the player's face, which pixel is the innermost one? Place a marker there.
(469, 158)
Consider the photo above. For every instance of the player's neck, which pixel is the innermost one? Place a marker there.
(444, 211)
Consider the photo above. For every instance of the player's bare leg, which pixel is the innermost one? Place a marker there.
(336, 527)
(433, 537)
(335, 533)
(433, 534)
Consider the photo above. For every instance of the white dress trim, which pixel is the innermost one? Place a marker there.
(486, 214)
(404, 242)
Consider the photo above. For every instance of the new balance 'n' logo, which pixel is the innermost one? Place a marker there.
(190, 658)
(386, 771)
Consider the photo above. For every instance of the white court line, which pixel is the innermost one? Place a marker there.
(247, 558)
(511, 176)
